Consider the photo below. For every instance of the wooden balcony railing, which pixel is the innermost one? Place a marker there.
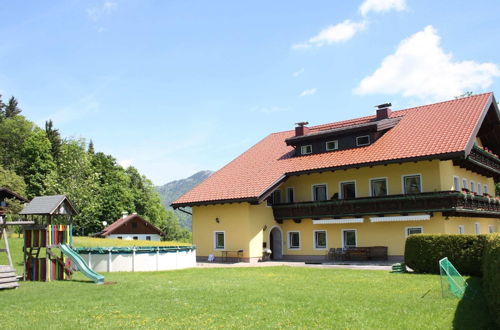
(451, 203)
(482, 162)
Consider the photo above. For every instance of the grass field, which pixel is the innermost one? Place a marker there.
(276, 297)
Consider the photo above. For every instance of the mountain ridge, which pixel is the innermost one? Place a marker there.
(172, 190)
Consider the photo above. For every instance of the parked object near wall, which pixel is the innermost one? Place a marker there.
(139, 259)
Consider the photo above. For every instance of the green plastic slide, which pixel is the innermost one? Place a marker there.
(82, 265)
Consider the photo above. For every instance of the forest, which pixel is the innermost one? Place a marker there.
(38, 161)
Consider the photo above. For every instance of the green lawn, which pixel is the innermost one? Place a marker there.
(277, 297)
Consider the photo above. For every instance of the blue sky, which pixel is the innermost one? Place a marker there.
(173, 87)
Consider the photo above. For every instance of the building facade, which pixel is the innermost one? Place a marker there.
(365, 182)
(132, 227)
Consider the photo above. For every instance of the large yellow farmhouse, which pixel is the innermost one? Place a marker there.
(366, 182)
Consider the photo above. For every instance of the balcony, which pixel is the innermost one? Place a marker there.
(482, 162)
(451, 203)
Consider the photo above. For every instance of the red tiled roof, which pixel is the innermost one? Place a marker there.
(435, 129)
(120, 222)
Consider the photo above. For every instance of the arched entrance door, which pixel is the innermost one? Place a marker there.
(276, 242)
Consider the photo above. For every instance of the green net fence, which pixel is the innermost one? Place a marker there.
(452, 283)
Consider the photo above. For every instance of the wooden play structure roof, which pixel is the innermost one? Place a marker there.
(49, 205)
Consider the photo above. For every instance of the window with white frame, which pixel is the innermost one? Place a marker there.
(320, 239)
(472, 186)
(349, 239)
(319, 192)
(477, 228)
(148, 238)
(491, 229)
(347, 190)
(479, 189)
(485, 188)
(378, 187)
(305, 150)
(461, 229)
(294, 240)
(414, 230)
(332, 145)
(290, 195)
(456, 183)
(362, 140)
(219, 240)
(412, 184)
(464, 184)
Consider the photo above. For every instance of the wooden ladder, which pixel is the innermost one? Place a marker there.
(8, 278)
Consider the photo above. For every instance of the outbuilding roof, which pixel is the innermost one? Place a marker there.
(122, 221)
(442, 130)
(49, 205)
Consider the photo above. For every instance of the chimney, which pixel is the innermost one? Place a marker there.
(383, 111)
(301, 128)
(124, 214)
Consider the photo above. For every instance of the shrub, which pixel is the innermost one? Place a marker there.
(423, 252)
(491, 275)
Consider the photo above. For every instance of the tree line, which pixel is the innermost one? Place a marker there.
(36, 161)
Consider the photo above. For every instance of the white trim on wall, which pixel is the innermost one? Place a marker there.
(319, 184)
(457, 186)
(326, 239)
(381, 178)
(215, 239)
(461, 229)
(342, 236)
(414, 174)
(355, 188)
(414, 227)
(477, 228)
(289, 241)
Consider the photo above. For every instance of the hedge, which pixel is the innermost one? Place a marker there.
(423, 252)
(491, 275)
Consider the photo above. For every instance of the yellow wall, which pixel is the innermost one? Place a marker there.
(242, 223)
(448, 171)
(302, 184)
(234, 220)
(247, 226)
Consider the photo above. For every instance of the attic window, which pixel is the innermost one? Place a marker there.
(305, 150)
(134, 224)
(362, 140)
(332, 145)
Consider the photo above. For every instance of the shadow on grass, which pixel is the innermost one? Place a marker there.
(472, 310)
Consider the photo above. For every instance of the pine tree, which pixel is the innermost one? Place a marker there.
(54, 138)
(91, 148)
(12, 108)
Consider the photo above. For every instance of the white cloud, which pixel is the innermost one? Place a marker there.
(381, 6)
(95, 13)
(420, 68)
(309, 92)
(333, 34)
(298, 72)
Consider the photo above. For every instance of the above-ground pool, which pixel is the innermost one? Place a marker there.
(138, 258)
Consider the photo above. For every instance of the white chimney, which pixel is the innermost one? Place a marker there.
(124, 214)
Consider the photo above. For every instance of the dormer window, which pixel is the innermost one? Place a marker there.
(362, 140)
(306, 150)
(332, 145)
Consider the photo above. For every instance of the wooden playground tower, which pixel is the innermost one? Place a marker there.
(47, 223)
(52, 224)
